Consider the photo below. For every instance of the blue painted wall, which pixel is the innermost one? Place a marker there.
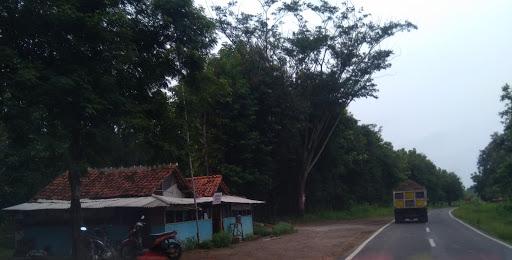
(58, 237)
(187, 229)
(226, 222)
(246, 224)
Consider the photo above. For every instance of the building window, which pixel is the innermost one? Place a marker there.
(170, 216)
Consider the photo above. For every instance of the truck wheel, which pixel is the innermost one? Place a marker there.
(423, 218)
(398, 219)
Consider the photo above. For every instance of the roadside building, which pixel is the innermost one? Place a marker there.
(113, 199)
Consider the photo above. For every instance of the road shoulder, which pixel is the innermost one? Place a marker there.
(478, 231)
(360, 247)
(320, 240)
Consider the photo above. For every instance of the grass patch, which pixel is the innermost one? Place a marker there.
(356, 212)
(206, 244)
(6, 253)
(440, 205)
(492, 218)
(221, 239)
(282, 228)
(260, 229)
(189, 244)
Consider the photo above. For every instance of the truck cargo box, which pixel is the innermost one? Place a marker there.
(410, 202)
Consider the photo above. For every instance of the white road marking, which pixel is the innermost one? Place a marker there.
(428, 229)
(478, 231)
(431, 241)
(367, 240)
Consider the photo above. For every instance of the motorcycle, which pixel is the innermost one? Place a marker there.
(164, 246)
(97, 247)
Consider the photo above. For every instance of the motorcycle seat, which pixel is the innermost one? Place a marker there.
(163, 234)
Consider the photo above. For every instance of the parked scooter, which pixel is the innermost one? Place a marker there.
(164, 246)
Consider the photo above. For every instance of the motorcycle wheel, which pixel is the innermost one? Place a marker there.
(173, 251)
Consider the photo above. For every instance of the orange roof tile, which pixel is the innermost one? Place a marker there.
(113, 182)
(206, 186)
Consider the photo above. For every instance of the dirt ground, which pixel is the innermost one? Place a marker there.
(326, 240)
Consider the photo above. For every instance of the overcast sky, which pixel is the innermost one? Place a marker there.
(441, 96)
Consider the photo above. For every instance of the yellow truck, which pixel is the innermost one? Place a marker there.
(410, 202)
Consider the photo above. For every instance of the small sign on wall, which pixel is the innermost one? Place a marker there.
(217, 197)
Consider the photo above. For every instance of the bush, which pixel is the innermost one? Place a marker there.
(189, 244)
(282, 228)
(206, 244)
(221, 239)
(261, 230)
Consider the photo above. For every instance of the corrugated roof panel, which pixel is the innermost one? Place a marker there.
(136, 202)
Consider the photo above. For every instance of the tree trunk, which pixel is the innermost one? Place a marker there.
(302, 196)
(76, 211)
(205, 143)
(74, 173)
(314, 144)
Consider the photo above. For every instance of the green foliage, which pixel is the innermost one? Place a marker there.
(190, 243)
(260, 229)
(492, 218)
(358, 167)
(6, 253)
(441, 185)
(282, 228)
(208, 244)
(356, 212)
(83, 84)
(493, 179)
(221, 239)
(321, 68)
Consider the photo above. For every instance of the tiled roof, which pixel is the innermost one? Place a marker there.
(409, 185)
(206, 186)
(113, 182)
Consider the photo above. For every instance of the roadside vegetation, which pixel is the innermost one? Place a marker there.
(444, 204)
(490, 208)
(219, 240)
(493, 180)
(356, 212)
(492, 218)
(279, 229)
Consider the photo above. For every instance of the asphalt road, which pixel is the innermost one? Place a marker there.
(441, 238)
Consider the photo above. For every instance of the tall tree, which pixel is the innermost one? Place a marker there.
(494, 176)
(73, 70)
(329, 64)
